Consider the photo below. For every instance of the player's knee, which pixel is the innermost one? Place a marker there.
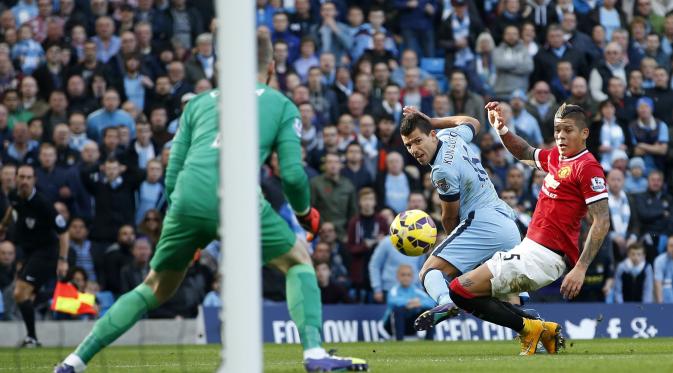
(163, 285)
(460, 296)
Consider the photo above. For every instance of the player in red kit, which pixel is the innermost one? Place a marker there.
(575, 184)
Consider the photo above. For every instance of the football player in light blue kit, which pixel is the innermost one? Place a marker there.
(480, 223)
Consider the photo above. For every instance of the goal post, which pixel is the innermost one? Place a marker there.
(239, 170)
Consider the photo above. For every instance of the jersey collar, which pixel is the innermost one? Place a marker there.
(434, 157)
(581, 153)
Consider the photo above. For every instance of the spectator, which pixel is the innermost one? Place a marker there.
(409, 60)
(457, 35)
(611, 133)
(184, 23)
(578, 39)
(51, 74)
(649, 136)
(394, 185)
(143, 148)
(555, 50)
(333, 36)
(151, 193)
(8, 76)
(78, 99)
(634, 280)
(77, 126)
(654, 213)
(5, 132)
(364, 36)
(323, 99)
(405, 303)
(213, 298)
(22, 149)
(7, 265)
(52, 180)
(654, 22)
(150, 225)
(29, 97)
(323, 253)
(135, 85)
(543, 106)
(390, 104)
(333, 195)
(116, 257)
(307, 58)
(330, 292)
(662, 95)
(107, 43)
(81, 248)
(16, 113)
(515, 181)
(609, 17)
(561, 84)
(636, 181)
(378, 53)
(107, 116)
(111, 145)
(281, 32)
(364, 231)
(113, 190)
(622, 214)
(27, 52)
(413, 93)
(202, 64)
(523, 217)
(524, 123)
(159, 126)
(370, 144)
(24, 11)
(613, 65)
(653, 50)
(282, 63)
(663, 275)
(463, 101)
(579, 95)
(134, 272)
(512, 63)
(355, 169)
(302, 19)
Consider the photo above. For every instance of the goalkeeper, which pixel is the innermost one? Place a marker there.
(191, 182)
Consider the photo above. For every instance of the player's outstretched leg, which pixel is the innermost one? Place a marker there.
(433, 277)
(126, 311)
(305, 307)
(472, 292)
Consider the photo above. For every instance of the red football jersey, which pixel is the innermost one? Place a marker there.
(570, 185)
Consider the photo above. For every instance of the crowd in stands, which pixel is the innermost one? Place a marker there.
(91, 94)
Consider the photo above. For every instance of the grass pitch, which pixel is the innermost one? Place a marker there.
(596, 356)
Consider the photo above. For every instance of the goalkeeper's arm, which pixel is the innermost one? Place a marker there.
(180, 147)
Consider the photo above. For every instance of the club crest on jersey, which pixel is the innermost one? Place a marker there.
(442, 185)
(564, 172)
(30, 223)
(597, 184)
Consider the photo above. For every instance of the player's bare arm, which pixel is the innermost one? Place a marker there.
(445, 122)
(600, 215)
(450, 214)
(519, 148)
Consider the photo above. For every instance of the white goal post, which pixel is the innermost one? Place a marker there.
(239, 170)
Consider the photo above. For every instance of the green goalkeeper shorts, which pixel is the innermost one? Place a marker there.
(182, 235)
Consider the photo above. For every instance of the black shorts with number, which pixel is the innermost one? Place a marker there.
(39, 267)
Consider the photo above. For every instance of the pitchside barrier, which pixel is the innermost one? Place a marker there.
(362, 323)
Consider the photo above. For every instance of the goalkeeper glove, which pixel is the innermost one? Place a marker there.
(310, 221)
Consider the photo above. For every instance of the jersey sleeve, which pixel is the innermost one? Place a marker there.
(465, 131)
(447, 182)
(58, 222)
(541, 157)
(288, 146)
(592, 182)
(179, 148)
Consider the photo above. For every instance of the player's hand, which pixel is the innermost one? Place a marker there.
(62, 269)
(414, 110)
(494, 114)
(572, 283)
(311, 221)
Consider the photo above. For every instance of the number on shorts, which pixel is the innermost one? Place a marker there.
(512, 256)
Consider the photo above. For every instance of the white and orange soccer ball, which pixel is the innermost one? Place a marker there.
(413, 232)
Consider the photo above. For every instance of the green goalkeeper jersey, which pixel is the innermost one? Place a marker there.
(192, 176)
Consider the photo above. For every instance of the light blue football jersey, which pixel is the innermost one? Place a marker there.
(458, 174)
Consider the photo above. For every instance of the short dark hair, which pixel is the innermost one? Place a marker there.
(415, 121)
(635, 246)
(573, 112)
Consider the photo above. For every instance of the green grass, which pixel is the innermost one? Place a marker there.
(597, 356)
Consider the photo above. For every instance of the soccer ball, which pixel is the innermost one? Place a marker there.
(413, 232)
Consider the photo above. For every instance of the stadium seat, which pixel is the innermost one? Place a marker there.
(434, 66)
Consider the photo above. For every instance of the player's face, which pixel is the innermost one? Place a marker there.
(25, 180)
(421, 146)
(570, 140)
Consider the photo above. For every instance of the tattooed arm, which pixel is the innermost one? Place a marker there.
(600, 216)
(519, 148)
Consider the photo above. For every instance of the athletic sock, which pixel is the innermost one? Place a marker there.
(435, 285)
(486, 308)
(28, 313)
(304, 305)
(126, 311)
(519, 311)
